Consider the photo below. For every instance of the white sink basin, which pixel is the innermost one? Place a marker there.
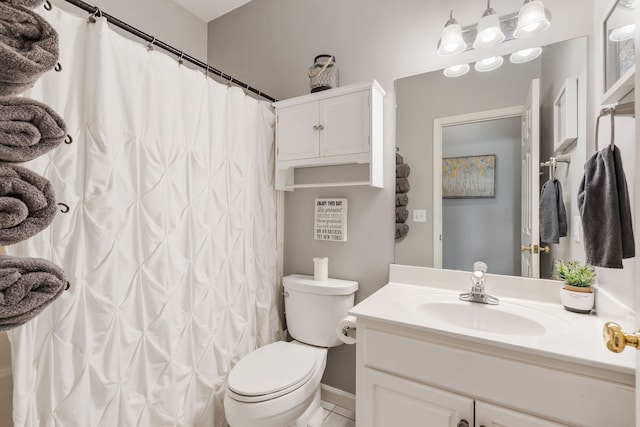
(505, 318)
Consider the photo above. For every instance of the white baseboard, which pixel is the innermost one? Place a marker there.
(338, 397)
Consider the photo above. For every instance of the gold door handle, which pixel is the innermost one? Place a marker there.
(545, 250)
(531, 248)
(616, 339)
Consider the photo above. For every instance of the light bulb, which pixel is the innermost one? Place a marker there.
(532, 19)
(525, 55)
(488, 30)
(456, 70)
(451, 41)
(489, 64)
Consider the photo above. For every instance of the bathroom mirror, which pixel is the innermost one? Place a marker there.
(485, 228)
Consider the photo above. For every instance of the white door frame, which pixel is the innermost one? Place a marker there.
(438, 125)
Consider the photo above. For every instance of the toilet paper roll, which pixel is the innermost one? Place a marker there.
(346, 330)
(321, 269)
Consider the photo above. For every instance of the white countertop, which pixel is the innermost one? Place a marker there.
(578, 340)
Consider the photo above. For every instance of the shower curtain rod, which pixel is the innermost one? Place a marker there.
(155, 42)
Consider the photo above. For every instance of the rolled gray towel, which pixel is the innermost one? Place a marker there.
(402, 199)
(27, 204)
(402, 171)
(402, 185)
(28, 48)
(401, 230)
(29, 4)
(28, 129)
(27, 286)
(402, 214)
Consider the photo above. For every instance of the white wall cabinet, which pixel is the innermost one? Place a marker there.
(410, 378)
(340, 126)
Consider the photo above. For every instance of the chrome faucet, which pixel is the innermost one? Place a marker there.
(477, 293)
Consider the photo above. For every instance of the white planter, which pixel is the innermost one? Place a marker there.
(578, 302)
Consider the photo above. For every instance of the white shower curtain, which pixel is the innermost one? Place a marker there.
(169, 242)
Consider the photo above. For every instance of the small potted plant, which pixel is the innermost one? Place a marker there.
(577, 294)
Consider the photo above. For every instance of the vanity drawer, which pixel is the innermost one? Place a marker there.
(467, 369)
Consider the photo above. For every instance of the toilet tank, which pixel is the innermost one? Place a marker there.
(314, 308)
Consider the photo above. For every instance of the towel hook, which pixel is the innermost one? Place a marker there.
(150, 45)
(64, 208)
(92, 17)
(67, 286)
(47, 5)
(58, 67)
(68, 139)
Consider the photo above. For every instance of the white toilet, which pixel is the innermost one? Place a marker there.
(278, 385)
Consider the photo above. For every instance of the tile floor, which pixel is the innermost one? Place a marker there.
(335, 416)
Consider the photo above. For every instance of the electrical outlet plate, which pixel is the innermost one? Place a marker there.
(576, 228)
(419, 215)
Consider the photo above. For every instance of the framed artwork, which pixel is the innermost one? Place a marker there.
(619, 57)
(565, 115)
(469, 177)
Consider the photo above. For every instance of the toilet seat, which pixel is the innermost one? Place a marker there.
(273, 371)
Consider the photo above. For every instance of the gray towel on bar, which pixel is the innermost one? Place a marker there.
(27, 204)
(402, 185)
(402, 171)
(553, 217)
(402, 199)
(401, 230)
(28, 129)
(28, 48)
(402, 214)
(29, 4)
(27, 286)
(603, 201)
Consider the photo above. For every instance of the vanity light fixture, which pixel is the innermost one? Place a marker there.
(525, 55)
(489, 64)
(457, 70)
(489, 32)
(451, 41)
(532, 19)
(622, 33)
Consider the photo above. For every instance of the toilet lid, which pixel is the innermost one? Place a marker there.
(272, 368)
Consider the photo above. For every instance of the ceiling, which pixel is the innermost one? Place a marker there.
(208, 10)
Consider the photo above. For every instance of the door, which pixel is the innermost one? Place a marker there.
(530, 158)
(297, 132)
(345, 124)
(395, 401)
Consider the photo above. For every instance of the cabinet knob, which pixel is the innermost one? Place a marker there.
(463, 423)
(318, 127)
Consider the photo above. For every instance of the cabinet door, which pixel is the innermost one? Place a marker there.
(345, 121)
(488, 415)
(395, 401)
(297, 132)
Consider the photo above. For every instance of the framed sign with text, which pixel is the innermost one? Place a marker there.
(330, 220)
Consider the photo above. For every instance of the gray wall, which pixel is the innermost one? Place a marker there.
(163, 19)
(271, 43)
(485, 229)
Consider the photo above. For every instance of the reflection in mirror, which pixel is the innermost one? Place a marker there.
(429, 97)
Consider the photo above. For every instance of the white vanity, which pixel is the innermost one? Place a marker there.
(425, 358)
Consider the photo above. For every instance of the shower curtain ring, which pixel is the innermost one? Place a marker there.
(64, 208)
(67, 286)
(58, 67)
(68, 139)
(47, 5)
(180, 61)
(150, 45)
(92, 17)
(206, 73)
